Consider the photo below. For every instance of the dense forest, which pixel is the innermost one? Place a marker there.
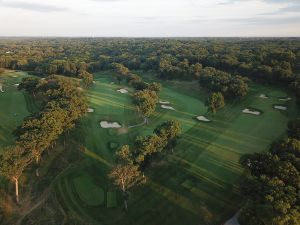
(267, 60)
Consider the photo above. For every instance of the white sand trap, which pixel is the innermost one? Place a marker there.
(164, 102)
(14, 76)
(1, 88)
(106, 124)
(17, 85)
(43, 78)
(90, 110)
(167, 107)
(123, 91)
(94, 82)
(202, 118)
(249, 111)
(79, 89)
(263, 96)
(280, 107)
(285, 99)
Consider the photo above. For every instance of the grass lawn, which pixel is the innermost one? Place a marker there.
(88, 192)
(14, 106)
(111, 199)
(197, 184)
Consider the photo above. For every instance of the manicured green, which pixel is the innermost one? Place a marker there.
(88, 192)
(111, 199)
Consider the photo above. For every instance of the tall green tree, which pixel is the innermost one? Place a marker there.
(13, 161)
(146, 101)
(215, 102)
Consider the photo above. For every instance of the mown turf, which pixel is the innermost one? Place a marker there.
(197, 184)
(88, 192)
(14, 106)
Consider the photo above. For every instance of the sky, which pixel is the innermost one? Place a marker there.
(150, 18)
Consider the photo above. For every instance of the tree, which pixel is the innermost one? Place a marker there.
(215, 102)
(294, 128)
(146, 101)
(169, 131)
(155, 87)
(29, 84)
(87, 78)
(125, 174)
(13, 161)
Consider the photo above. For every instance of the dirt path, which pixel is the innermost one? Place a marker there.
(138, 125)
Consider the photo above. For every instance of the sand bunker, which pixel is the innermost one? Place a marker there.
(249, 111)
(164, 102)
(123, 91)
(280, 107)
(17, 85)
(263, 96)
(79, 89)
(167, 107)
(94, 82)
(285, 99)
(90, 110)
(106, 124)
(202, 118)
(1, 88)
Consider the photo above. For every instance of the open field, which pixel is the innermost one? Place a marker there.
(14, 105)
(197, 184)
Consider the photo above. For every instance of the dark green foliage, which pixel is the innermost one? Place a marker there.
(219, 81)
(215, 102)
(294, 128)
(87, 78)
(273, 185)
(146, 101)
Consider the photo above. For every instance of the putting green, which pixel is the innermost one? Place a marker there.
(88, 192)
(199, 180)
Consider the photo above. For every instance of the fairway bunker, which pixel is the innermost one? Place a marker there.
(263, 96)
(203, 119)
(285, 99)
(164, 102)
(90, 110)
(280, 107)
(122, 90)
(16, 85)
(251, 111)
(167, 107)
(106, 124)
(1, 88)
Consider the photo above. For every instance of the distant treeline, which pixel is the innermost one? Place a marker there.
(267, 60)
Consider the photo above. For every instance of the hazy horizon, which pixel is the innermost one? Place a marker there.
(155, 18)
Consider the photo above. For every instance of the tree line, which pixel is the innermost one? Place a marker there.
(62, 104)
(270, 60)
(272, 187)
(132, 161)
